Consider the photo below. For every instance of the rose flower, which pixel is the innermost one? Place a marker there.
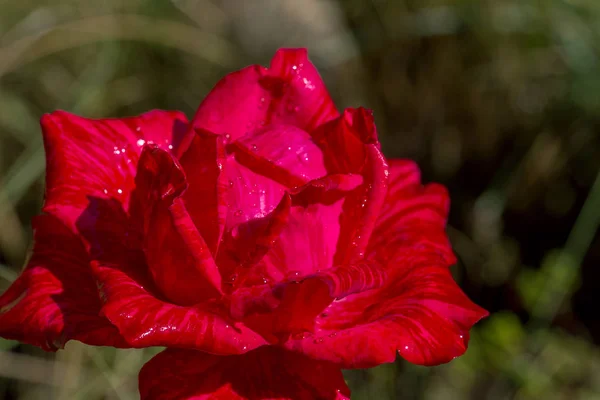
(267, 244)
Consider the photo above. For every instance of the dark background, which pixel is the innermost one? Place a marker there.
(498, 100)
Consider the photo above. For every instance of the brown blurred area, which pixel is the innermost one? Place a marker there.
(498, 100)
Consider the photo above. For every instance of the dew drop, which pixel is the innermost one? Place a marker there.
(254, 147)
(244, 348)
(293, 274)
(332, 335)
(138, 129)
(105, 191)
(141, 142)
(232, 278)
(238, 213)
(230, 183)
(170, 147)
(119, 191)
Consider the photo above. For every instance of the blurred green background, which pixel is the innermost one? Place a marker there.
(499, 100)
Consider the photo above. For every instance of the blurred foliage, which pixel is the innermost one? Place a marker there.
(497, 99)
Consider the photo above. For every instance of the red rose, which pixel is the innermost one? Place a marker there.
(267, 244)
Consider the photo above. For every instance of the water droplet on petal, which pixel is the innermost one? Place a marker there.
(141, 142)
(119, 191)
(232, 278)
(230, 183)
(138, 129)
(238, 213)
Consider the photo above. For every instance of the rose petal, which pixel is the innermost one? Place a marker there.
(418, 309)
(361, 208)
(289, 92)
(249, 242)
(132, 301)
(282, 152)
(343, 140)
(250, 195)
(88, 157)
(145, 320)
(421, 313)
(265, 373)
(177, 255)
(55, 299)
(206, 196)
(412, 213)
(308, 242)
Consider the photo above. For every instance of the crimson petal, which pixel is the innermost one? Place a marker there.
(343, 140)
(420, 314)
(265, 373)
(98, 157)
(176, 253)
(132, 302)
(361, 209)
(412, 213)
(250, 195)
(289, 92)
(285, 153)
(55, 299)
(205, 198)
(308, 242)
(145, 320)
